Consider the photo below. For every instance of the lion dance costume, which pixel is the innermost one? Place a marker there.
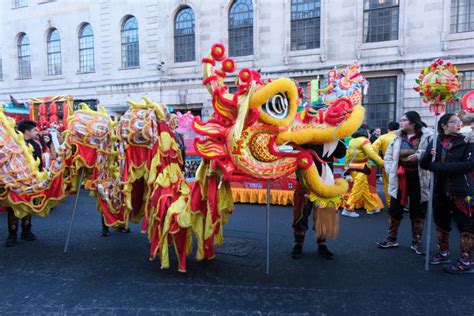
(344, 83)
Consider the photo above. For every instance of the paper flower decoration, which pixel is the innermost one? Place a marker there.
(439, 84)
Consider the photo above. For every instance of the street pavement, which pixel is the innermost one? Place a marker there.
(113, 276)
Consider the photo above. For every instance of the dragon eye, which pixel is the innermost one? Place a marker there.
(277, 106)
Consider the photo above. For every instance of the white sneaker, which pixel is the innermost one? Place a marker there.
(376, 211)
(350, 214)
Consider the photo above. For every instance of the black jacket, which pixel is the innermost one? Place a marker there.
(452, 177)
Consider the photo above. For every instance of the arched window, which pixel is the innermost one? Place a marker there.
(86, 49)
(241, 28)
(130, 51)
(184, 35)
(54, 53)
(24, 57)
(305, 24)
(21, 3)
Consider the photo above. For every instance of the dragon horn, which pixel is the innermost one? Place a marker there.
(214, 79)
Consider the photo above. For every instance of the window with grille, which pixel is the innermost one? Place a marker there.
(380, 20)
(130, 51)
(305, 24)
(467, 81)
(380, 102)
(20, 3)
(24, 57)
(54, 53)
(462, 16)
(184, 42)
(86, 49)
(241, 28)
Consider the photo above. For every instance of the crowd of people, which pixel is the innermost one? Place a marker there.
(407, 158)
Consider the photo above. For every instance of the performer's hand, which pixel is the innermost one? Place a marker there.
(413, 157)
(433, 152)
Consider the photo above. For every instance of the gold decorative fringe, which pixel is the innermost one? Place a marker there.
(278, 197)
(326, 222)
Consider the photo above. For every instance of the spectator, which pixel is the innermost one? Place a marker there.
(407, 182)
(453, 191)
(381, 145)
(375, 134)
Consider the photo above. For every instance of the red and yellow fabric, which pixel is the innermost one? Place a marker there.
(381, 144)
(357, 161)
(22, 186)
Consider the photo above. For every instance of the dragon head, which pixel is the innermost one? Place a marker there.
(246, 134)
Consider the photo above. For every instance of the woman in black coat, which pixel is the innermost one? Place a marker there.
(453, 191)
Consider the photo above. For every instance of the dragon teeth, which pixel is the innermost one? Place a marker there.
(329, 148)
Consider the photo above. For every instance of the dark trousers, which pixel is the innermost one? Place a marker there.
(13, 222)
(444, 211)
(416, 207)
(301, 212)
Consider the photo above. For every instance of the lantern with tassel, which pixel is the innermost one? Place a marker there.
(438, 85)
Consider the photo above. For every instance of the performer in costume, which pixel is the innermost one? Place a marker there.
(303, 207)
(29, 129)
(381, 144)
(357, 160)
(453, 191)
(407, 182)
(173, 124)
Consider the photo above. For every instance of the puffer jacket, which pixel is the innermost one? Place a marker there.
(455, 172)
(391, 159)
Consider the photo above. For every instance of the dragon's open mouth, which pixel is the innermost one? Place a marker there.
(295, 150)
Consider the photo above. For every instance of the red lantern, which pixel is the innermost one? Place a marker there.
(43, 109)
(53, 108)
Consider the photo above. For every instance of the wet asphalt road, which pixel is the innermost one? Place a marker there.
(109, 276)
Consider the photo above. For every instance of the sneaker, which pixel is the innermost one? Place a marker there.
(324, 252)
(417, 247)
(349, 214)
(11, 241)
(28, 235)
(124, 230)
(376, 211)
(297, 251)
(105, 232)
(459, 267)
(387, 242)
(440, 258)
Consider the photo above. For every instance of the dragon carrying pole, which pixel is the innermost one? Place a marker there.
(267, 271)
(74, 211)
(429, 214)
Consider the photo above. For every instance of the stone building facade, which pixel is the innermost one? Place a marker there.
(301, 39)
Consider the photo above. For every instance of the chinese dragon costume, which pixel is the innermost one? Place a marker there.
(133, 166)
